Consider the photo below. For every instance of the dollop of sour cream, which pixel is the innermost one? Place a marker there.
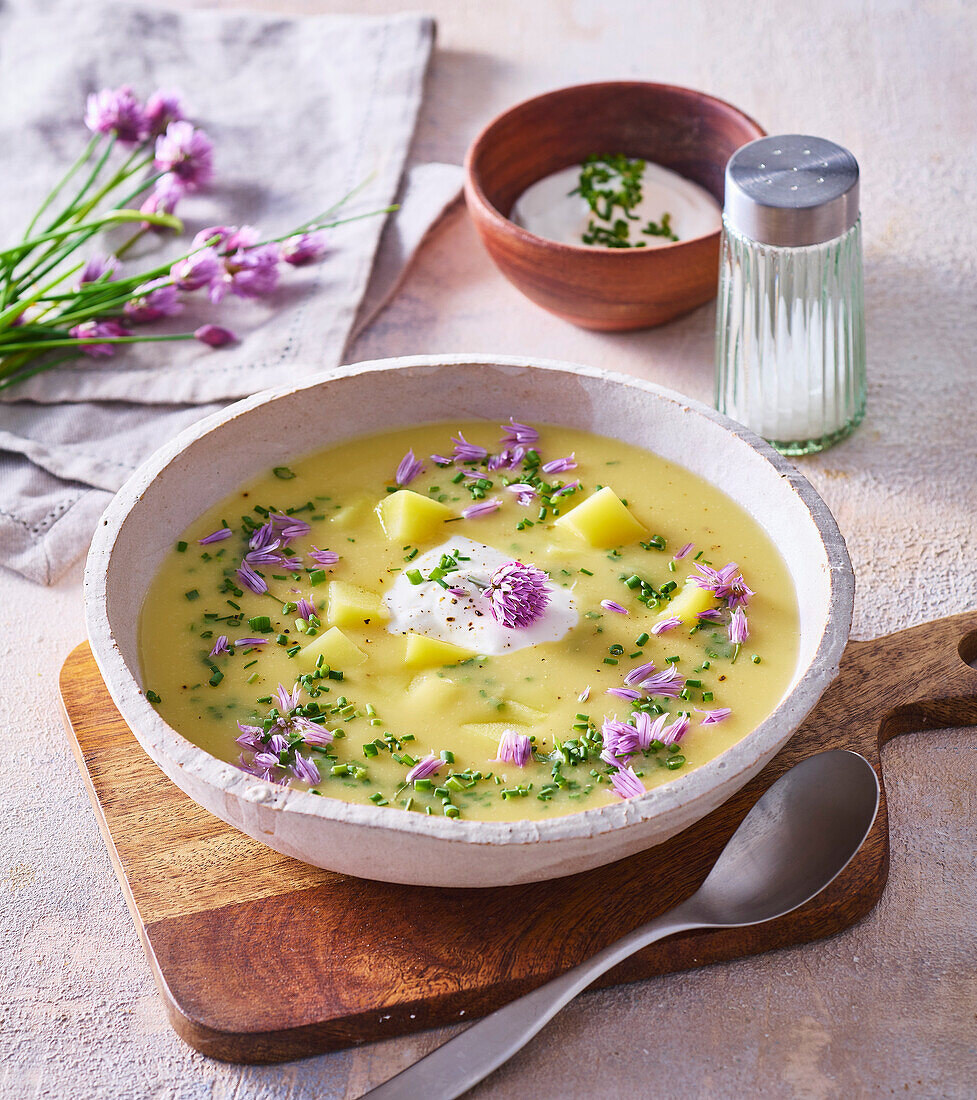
(466, 620)
(549, 210)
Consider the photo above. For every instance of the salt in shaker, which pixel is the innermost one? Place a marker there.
(790, 331)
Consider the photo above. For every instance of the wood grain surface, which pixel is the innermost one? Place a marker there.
(260, 958)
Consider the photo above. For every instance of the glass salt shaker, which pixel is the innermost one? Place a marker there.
(790, 329)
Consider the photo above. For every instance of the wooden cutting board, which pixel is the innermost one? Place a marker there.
(260, 958)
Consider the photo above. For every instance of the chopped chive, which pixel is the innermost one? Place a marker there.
(610, 660)
(152, 696)
(283, 472)
(181, 547)
(447, 756)
(317, 576)
(193, 594)
(292, 650)
(414, 576)
(261, 623)
(642, 639)
(755, 659)
(216, 678)
(378, 798)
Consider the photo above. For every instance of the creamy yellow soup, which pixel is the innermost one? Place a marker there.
(326, 627)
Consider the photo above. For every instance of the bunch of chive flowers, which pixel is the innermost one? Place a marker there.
(142, 160)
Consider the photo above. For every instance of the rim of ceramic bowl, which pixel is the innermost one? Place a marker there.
(474, 185)
(157, 737)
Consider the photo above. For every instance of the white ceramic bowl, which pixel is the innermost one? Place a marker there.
(212, 459)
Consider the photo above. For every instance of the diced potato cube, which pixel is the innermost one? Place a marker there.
(430, 652)
(336, 649)
(522, 714)
(434, 695)
(491, 732)
(407, 516)
(351, 605)
(534, 693)
(352, 513)
(688, 603)
(603, 520)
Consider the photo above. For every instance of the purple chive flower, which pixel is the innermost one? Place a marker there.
(739, 631)
(248, 273)
(739, 594)
(507, 459)
(526, 493)
(560, 465)
(89, 330)
(250, 736)
(441, 460)
(518, 594)
(482, 508)
(714, 716)
(251, 641)
(668, 683)
(639, 672)
(467, 452)
(98, 267)
(305, 610)
(196, 270)
(514, 748)
(304, 249)
(409, 468)
(648, 731)
(220, 646)
(266, 556)
(250, 579)
(153, 300)
(287, 700)
(263, 538)
(186, 154)
(584, 695)
(725, 584)
(305, 770)
(162, 199)
(620, 740)
(710, 615)
(685, 551)
(666, 624)
(214, 336)
(312, 732)
(216, 536)
(626, 783)
(424, 768)
(277, 744)
(117, 111)
(266, 760)
(323, 557)
(519, 434)
(289, 527)
(624, 693)
(566, 489)
(610, 605)
(676, 731)
(162, 108)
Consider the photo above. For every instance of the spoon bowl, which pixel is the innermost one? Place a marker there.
(797, 838)
(795, 841)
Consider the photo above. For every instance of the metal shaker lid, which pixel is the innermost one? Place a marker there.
(792, 190)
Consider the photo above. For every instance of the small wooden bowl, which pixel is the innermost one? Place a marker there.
(611, 289)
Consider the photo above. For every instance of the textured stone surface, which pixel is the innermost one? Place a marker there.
(887, 1007)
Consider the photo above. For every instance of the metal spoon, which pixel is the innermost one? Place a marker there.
(799, 836)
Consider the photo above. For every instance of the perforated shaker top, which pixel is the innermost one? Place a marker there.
(791, 190)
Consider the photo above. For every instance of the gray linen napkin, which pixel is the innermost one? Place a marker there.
(300, 111)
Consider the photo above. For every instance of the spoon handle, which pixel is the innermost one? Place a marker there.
(463, 1061)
